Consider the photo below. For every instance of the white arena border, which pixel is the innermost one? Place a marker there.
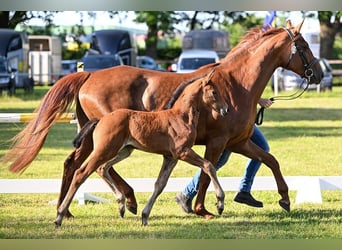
(308, 187)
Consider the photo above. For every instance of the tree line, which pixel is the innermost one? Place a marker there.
(166, 22)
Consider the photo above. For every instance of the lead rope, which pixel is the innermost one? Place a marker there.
(260, 115)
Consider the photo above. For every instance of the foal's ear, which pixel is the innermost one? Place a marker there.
(209, 76)
(299, 26)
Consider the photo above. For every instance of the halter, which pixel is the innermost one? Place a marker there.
(308, 73)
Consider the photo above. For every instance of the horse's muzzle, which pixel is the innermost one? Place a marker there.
(224, 111)
(314, 73)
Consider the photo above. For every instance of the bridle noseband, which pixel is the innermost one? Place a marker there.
(308, 71)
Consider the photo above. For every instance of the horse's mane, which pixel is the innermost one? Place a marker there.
(251, 38)
(179, 90)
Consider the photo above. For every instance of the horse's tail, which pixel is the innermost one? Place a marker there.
(27, 143)
(86, 129)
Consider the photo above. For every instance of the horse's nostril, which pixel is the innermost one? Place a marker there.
(224, 111)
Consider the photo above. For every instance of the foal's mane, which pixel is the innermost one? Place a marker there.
(179, 90)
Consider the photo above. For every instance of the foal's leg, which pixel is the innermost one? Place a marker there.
(71, 164)
(80, 176)
(168, 165)
(199, 202)
(118, 185)
(75, 160)
(209, 171)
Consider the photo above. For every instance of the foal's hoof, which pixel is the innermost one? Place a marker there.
(285, 205)
(68, 215)
(57, 224)
(122, 212)
(220, 207)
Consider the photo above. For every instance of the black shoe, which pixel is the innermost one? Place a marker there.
(247, 198)
(184, 202)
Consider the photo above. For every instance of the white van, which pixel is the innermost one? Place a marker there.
(190, 60)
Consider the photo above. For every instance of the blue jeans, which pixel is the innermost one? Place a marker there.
(252, 167)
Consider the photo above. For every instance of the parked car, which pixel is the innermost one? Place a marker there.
(327, 80)
(7, 76)
(96, 62)
(288, 80)
(147, 62)
(190, 60)
(68, 66)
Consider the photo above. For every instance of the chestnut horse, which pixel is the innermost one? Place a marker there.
(170, 132)
(245, 71)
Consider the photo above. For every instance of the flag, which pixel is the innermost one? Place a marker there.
(270, 20)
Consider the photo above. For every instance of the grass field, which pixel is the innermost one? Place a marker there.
(305, 135)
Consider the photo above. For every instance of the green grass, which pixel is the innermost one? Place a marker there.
(305, 135)
(33, 219)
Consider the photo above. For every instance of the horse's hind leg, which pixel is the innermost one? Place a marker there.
(252, 151)
(119, 186)
(164, 174)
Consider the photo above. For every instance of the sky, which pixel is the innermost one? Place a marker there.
(69, 18)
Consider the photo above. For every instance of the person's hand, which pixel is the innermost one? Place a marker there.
(265, 103)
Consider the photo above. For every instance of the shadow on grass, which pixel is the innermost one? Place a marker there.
(261, 224)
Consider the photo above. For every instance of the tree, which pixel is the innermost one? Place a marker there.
(10, 19)
(330, 26)
(156, 21)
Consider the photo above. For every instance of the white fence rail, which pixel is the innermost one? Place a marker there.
(308, 187)
(26, 117)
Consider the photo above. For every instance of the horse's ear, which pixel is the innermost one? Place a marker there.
(288, 24)
(299, 26)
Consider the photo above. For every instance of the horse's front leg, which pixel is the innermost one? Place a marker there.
(168, 165)
(119, 186)
(251, 150)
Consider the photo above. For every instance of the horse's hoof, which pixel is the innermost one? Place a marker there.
(144, 221)
(132, 209)
(204, 213)
(285, 205)
(122, 212)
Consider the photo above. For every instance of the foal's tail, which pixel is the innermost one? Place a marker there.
(86, 129)
(27, 144)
